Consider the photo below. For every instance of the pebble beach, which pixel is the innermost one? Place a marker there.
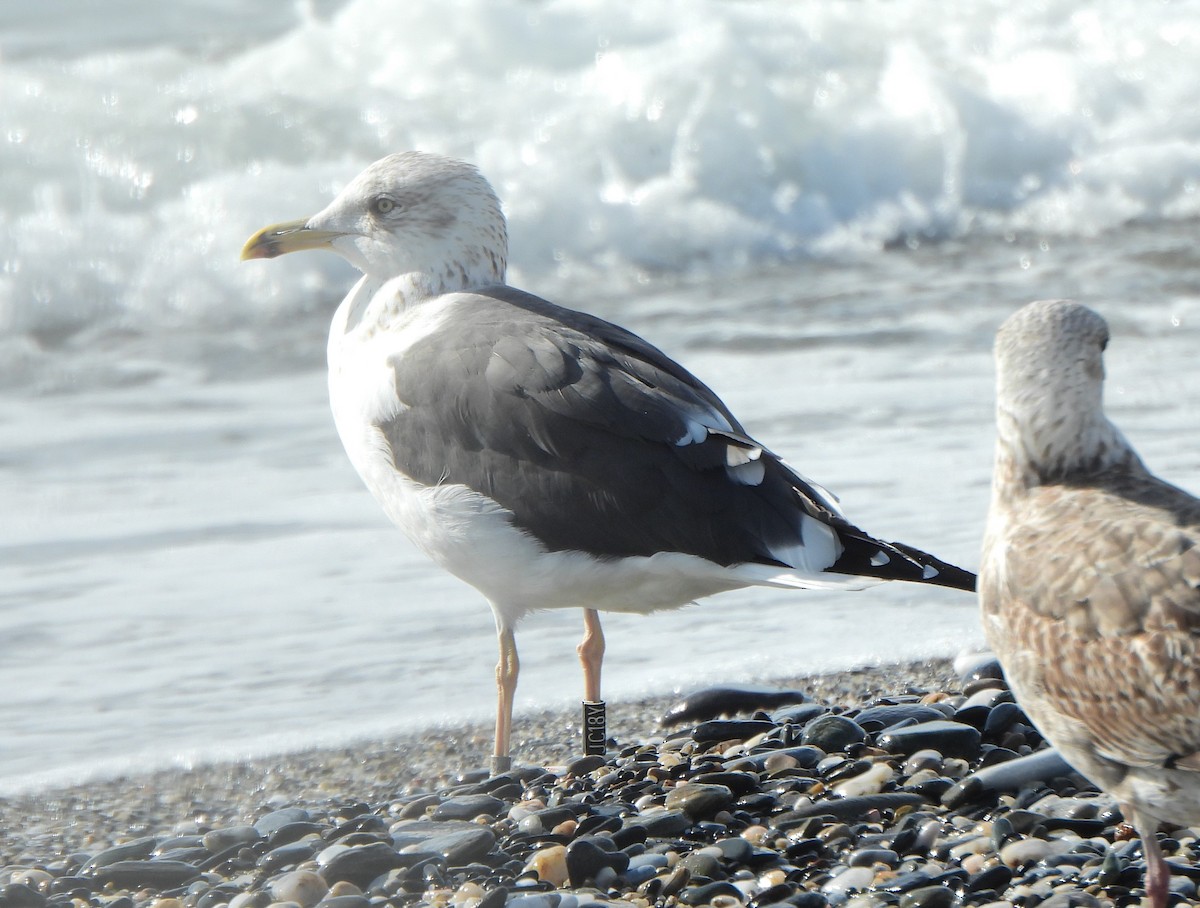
(916, 785)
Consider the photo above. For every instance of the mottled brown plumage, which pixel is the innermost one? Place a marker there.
(1089, 578)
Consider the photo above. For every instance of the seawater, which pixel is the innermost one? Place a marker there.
(824, 209)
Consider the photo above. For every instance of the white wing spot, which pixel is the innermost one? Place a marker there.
(879, 559)
(694, 433)
(930, 572)
(749, 473)
(736, 456)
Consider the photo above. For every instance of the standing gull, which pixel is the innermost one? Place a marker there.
(547, 457)
(1089, 579)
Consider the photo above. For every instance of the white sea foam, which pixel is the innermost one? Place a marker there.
(700, 136)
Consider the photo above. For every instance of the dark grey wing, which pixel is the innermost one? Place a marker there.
(598, 442)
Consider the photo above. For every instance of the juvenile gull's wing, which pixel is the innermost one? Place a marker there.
(1111, 607)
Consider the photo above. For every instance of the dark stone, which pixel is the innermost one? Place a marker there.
(808, 899)
(700, 864)
(475, 776)
(994, 878)
(427, 866)
(730, 729)
(757, 805)
(931, 789)
(220, 894)
(361, 864)
(848, 769)
(702, 895)
(147, 874)
(804, 848)
(368, 823)
(287, 856)
(361, 838)
(728, 701)
(636, 876)
(868, 857)
(495, 898)
(581, 766)
(179, 841)
(735, 849)
(971, 688)
(137, 850)
(799, 715)
(1085, 828)
(462, 847)
(72, 885)
(627, 836)
(552, 816)
(979, 665)
(597, 823)
(18, 895)
(928, 897)
(292, 832)
(276, 819)
(1001, 718)
(777, 893)
(1013, 775)
(219, 840)
(906, 882)
(877, 718)
(584, 860)
(187, 855)
(833, 734)
(697, 800)
(675, 881)
(740, 783)
(976, 716)
(805, 755)
(468, 807)
(951, 739)
(666, 824)
(994, 756)
(418, 807)
(846, 808)
(233, 858)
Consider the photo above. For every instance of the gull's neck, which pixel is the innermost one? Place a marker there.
(1032, 452)
(365, 305)
(476, 265)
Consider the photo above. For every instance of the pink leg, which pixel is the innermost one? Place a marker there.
(1158, 877)
(507, 670)
(591, 654)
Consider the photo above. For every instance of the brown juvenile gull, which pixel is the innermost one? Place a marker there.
(1089, 578)
(547, 457)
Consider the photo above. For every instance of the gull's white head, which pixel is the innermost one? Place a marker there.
(432, 218)
(1049, 393)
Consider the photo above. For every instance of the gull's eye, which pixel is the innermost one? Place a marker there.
(382, 205)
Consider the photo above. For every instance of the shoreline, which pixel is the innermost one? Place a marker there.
(230, 791)
(895, 786)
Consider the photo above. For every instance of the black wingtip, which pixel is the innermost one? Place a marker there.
(948, 575)
(865, 556)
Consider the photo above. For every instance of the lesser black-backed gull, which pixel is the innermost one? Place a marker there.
(1089, 578)
(547, 457)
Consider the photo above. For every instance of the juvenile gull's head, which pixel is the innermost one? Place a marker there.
(411, 213)
(1049, 393)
